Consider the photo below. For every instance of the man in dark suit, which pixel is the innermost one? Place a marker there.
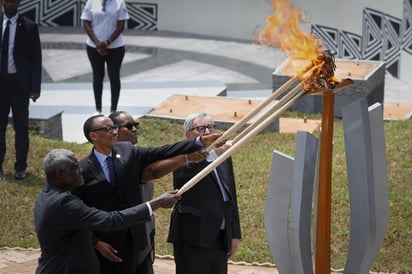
(63, 222)
(128, 132)
(204, 226)
(122, 191)
(20, 78)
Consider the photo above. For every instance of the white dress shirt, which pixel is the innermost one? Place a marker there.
(104, 23)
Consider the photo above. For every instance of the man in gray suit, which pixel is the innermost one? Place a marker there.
(63, 222)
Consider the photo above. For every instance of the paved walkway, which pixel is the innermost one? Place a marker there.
(24, 261)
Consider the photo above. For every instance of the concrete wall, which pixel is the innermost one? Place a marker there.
(220, 18)
(346, 15)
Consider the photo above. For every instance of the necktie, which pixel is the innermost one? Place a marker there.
(110, 168)
(5, 49)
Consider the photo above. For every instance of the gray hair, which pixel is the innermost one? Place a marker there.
(57, 159)
(188, 124)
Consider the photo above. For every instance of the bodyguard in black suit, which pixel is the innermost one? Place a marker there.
(20, 78)
(100, 191)
(204, 227)
(63, 222)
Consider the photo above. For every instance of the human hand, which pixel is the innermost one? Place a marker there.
(234, 247)
(34, 95)
(197, 156)
(216, 152)
(107, 251)
(209, 139)
(101, 48)
(166, 200)
(220, 149)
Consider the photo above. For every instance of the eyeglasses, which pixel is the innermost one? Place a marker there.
(130, 126)
(203, 128)
(106, 128)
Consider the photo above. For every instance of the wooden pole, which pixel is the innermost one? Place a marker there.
(264, 116)
(322, 259)
(192, 182)
(251, 114)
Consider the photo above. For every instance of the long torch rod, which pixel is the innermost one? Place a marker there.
(192, 182)
(252, 113)
(273, 109)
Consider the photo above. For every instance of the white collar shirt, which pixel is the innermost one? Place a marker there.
(104, 21)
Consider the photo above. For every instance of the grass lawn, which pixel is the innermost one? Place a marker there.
(252, 164)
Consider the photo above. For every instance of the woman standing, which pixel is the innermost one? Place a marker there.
(104, 22)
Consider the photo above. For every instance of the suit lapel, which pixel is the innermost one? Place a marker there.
(97, 169)
(19, 25)
(117, 161)
(222, 175)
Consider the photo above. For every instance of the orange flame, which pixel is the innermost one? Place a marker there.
(283, 31)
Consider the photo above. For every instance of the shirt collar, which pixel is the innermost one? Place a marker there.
(100, 156)
(13, 20)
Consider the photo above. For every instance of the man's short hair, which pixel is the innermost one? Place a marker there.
(188, 124)
(57, 159)
(88, 126)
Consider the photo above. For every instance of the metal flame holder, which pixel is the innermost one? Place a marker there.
(368, 82)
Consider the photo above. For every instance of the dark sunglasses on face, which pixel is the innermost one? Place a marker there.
(106, 128)
(130, 126)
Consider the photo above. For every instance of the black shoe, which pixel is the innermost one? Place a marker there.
(20, 175)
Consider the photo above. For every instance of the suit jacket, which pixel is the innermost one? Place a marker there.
(63, 226)
(129, 162)
(27, 54)
(197, 218)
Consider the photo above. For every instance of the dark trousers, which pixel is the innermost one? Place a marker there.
(190, 259)
(113, 59)
(127, 251)
(14, 98)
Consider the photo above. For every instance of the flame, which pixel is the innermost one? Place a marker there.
(304, 50)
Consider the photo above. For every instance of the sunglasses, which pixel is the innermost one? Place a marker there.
(130, 126)
(106, 128)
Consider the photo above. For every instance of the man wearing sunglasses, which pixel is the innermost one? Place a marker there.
(112, 173)
(128, 132)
